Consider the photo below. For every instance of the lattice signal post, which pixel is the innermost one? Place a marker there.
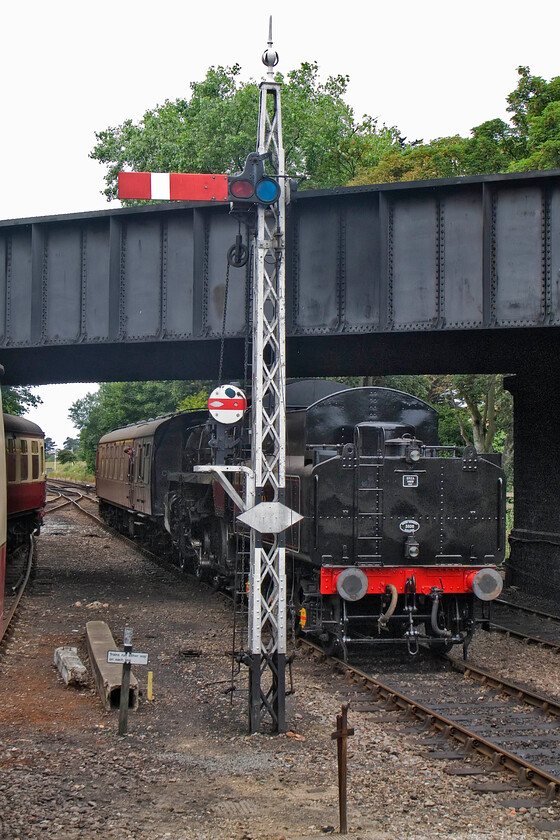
(267, 589)
(265, 194)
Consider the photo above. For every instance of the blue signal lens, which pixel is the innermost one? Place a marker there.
(267, 191)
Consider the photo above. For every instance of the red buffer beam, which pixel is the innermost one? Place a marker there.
(173, 186)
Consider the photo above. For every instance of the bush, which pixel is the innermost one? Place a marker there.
(66, 456)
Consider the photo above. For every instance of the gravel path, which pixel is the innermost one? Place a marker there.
(187, 770)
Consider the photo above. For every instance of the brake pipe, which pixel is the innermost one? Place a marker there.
(383, 619)
(445, 633)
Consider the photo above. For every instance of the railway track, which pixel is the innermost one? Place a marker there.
(62, 495)
(18, 572)
(524, 623)
(465, 712)
(20, 566)
(476, 711)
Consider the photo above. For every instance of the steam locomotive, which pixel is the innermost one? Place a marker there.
(399, 535)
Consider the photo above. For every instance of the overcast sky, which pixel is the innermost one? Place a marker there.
(70, 69)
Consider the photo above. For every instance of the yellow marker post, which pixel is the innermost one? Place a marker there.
(150, 685)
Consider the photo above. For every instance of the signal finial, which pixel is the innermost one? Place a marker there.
(270, 56)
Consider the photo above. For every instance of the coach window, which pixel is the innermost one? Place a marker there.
(11, 459)
(23, 461)
(34, 460)
(140, 463)
(147, 463)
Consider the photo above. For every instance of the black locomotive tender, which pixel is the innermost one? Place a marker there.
(398, 534)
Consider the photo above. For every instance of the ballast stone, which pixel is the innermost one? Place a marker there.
(71, 668)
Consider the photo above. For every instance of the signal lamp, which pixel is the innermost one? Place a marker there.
(267, 191)
(252, 186)
(241, 189)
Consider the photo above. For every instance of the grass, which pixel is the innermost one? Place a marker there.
(77, 471)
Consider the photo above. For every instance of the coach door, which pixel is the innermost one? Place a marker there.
(140, 475)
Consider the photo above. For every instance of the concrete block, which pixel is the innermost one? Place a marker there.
(71, 668)
(107, 676)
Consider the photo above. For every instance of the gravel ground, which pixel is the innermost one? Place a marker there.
(188, 770)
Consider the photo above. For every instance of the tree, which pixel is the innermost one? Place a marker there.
(531, 141)
(214, 131)
(72, 444)
(482, 408)
(18, 400)
(50, 445)
(117, 404)
(195, 401)
(65, 456)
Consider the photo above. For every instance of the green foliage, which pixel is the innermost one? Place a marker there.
(18, 400)
(532, 141)
(65, 456)
(195, 401)
(448, 427)
(50, 445)
(117, 404)
(474, 409)
(215, 130)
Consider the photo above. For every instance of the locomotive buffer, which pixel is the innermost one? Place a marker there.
(261, 199)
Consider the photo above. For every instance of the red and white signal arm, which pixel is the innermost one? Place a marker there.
(227, 404)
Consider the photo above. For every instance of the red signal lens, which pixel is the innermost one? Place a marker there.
(241, 189)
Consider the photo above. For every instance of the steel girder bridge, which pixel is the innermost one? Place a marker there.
(434, 276)
(452, 276)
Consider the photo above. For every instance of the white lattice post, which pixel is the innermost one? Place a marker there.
(267, 593)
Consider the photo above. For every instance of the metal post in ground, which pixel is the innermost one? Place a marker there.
(341, 735)
(125, 682)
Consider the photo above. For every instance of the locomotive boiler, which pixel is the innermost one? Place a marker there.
(399, 535)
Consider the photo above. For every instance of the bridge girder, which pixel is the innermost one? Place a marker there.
(432, 276)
